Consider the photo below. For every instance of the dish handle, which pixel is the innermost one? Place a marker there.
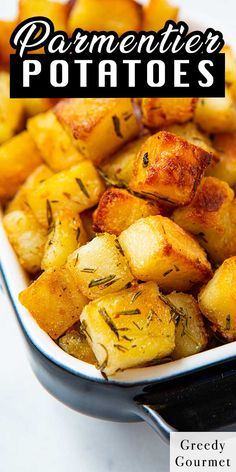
(202, 401)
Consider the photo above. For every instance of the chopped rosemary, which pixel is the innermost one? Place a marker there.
(137, 326)
(105, 362)
(167, 272)
(228, 323)
(118, 246)
(78, 231)
(145, 159)
(176, 268)
(135, 296)
(82, 187)
(127, 116)
(106, 281)
(129, 312)
(84, 329)
(116, 124)
(109, 181)
(121, 348)
(76, 259)
(88, 270)
(128, 285)
(127, 339)
(109, 322)
(49, 213)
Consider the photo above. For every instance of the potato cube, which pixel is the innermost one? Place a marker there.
(118, 209)
(6, 29)
(225, 169)
(11, 111)
(27, 237)
(76, 189)
(90, 121)
(100, 267)
(74, 342)
(54, 301)
(190, 334)
(158, 249)
(216, 115)
(56, 11)
(18, 158)
(211, 217)
(38, 176)
(193, 135)
(169, 168)
(160, 112)
(34, 106)
(130, 328)
(118, 169)
(156, 13)
(217, 300)
(66, 235)
(104, 15)
(53, 142)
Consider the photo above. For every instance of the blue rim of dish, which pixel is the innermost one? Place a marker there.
(102, 380)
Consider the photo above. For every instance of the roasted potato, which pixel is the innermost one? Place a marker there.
(18, 158)
(211, 217)
(118, 209)
(38, 176)
(160, 112)
(193, 135)
(34, 106)
(118, 169)
(190, 333)
(53, 142)
(6, 29)
(74, 343)
(216, 115)
(54, 301)
(90, 121)
(100, 267)
(56, 11)
(169, 168)
(75, 189)
(130, 328)
(225, 168)
(11, 111)
(27, 237)
(66, 235)
(217, 300)
(104, 15)
(156, 13)
(158, 249)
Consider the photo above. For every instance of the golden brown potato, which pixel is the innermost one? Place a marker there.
(11, 111)
(34, 106)
(211, 217)
(190, 333)
(118, 209)
(118, 169)
(53, 142)
(56, 11)
(104, 15)
(156, 13)
(130, 328)
(100, 267)
(27, 237)
(169, 168)
(217, 300)
(90, 121)
(6, 29)
(225, 168)
(66, 235)
(160, 112)
(192, 134)
(75, 189)
(18, 158)
(38, 176)
(74, 343)
(216, 115)
(54, 301)
(158, 249)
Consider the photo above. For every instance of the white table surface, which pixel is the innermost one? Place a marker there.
(39, 434)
